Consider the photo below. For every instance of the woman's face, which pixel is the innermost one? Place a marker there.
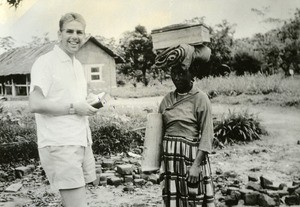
(182, 79)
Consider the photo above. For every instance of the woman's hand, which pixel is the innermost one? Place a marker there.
(193, 174)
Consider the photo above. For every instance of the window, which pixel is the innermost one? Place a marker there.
(95, 73)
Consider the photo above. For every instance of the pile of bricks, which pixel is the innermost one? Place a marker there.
(258, 191)
(118, 171)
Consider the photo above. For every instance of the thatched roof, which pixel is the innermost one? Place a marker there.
(20, 60)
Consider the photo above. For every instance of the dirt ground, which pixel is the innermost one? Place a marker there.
(276, 155)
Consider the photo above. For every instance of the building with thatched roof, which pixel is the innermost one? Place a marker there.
(99, 63)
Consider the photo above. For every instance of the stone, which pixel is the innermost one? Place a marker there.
(219, 171)
(297, 191)
(103, 183)
(282, 186)
(137, 176)
(128, 188)
(251, 198)
(154, 178)
(97, 181)
(139, 182)
(264, 181)
(22, 171)
(230, 174)
(272, 187)
(253, 186)
(292, 200)
(291, 189)
(148, 184)
(244, 191)
(126, 169)
(14, 187)
(282, 193)
(255, 169)
(3, 174)
(232, 189)
(296, 182)
(265, 200)
(252, 178)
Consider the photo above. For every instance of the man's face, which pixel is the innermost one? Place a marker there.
(71, 37)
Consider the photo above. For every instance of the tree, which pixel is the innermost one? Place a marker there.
(14, 3)
(7, 43)
(289, 35)
(37, 41)
(138, 54)
(221, 45)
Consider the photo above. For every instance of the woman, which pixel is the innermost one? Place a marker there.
(188, 131)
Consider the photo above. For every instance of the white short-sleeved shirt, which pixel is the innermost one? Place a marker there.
(62, 81)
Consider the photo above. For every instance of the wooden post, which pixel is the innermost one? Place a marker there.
(152, 143)
(13, 88)
(27, 83)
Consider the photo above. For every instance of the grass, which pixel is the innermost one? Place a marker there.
(249, 89)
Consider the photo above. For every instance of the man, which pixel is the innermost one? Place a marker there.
(58, 98)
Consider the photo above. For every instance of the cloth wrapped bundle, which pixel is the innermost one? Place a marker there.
(183, 54)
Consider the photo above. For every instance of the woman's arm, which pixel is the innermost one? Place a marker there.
(195, 170)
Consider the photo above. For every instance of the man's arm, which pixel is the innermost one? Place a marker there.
(38, 103)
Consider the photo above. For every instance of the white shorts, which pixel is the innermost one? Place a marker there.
(68, 167)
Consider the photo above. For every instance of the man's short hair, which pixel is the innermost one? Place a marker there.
(71, 17)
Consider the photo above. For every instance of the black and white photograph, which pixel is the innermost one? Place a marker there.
(149, 103)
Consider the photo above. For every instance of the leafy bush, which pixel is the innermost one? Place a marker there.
(238, 127)
(111, 139)
(16, 143)
(245, 62)
(114, 130)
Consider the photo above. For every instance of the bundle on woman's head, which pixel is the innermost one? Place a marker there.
(187, 56)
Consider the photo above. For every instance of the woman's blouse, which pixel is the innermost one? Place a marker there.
(189, 117)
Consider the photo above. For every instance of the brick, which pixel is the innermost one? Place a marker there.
(103, 183)
(126, 169)
(108, 163)
(231, 200)
(14, 187)
(137, 176)
(116, 181)
(253, 186)
(292, 200)
(264, 181)
(107, 175)
(22, 171)
(251, 198)
(252, 178)
(265, 200)
(128, 178)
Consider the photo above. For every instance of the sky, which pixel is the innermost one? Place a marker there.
(111, 18)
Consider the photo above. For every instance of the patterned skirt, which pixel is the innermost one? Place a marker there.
(178, 154)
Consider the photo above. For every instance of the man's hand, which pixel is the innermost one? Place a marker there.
(84, 109)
